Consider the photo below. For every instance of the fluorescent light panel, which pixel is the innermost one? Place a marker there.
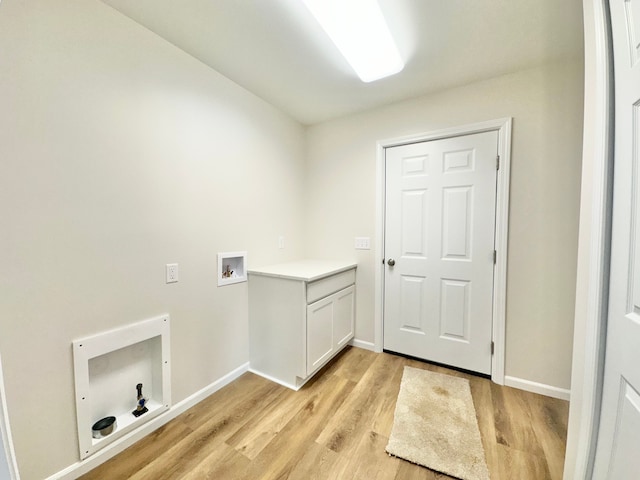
(360, 32)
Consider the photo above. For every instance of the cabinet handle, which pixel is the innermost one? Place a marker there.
(391, 262)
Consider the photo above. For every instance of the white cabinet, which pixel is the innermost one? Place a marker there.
(329, 327)
(301, 314)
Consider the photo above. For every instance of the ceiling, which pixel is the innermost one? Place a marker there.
(275, 49)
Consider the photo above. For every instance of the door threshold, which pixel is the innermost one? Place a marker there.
(437, 364)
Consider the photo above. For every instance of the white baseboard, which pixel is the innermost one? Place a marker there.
(535, 387)
(275, 380)
(101, 456)
(362, 344)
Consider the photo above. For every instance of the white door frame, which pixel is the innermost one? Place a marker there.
(503, 127)
(593, 245)
(5, 432)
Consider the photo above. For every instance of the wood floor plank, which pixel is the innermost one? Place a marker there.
(335, 428)
(483, 403)
(521, 465)
(367, 461)
(145, 452)
(513, 420)
(383, 418)
(549, 421)
(356, 415)
(183, 457)
(281, 456)
(222, 463)
(354, 365)
(409, 471)
(315, 464)
(254, 435)
(250, 392)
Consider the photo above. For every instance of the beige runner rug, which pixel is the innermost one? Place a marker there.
(435, 425)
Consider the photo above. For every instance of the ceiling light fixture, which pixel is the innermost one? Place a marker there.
(360, 32)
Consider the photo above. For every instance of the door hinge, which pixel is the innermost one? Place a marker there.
(498, 162)
(495, 257)
(493, 348)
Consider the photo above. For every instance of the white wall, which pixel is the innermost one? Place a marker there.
(119, 153)
(546, 105)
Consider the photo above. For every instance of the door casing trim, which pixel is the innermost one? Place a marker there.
(503, 127)
(5, 432)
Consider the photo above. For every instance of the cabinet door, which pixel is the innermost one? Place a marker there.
(319, 333)
(343, 316)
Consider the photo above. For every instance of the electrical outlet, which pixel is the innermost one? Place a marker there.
(362, 243)
(172, 272)
(281, 241)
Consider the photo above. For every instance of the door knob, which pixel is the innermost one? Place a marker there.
(391, 262)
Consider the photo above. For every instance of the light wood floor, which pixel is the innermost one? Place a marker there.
(336, 427)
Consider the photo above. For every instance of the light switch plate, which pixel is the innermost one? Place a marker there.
(172, 272)
(281, 241)
(362, 243)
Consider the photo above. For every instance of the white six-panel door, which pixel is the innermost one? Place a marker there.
(439, 247)
(618, 445)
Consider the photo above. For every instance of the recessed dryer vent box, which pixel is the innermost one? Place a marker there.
(108, 366)
(232, 268)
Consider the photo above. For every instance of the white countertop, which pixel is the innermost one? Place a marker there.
(305, 270)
